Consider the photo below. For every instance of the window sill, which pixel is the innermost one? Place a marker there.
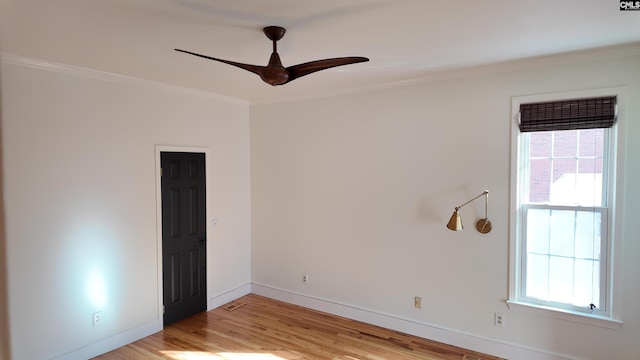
(588, 319)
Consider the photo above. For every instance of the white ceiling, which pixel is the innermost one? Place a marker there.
(405, 39)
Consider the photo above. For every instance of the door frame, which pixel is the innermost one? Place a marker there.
(186, 149)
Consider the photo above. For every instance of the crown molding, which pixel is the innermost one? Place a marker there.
(73, 70)
(462, 72)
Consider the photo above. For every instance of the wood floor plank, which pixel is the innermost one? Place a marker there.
(258, 328)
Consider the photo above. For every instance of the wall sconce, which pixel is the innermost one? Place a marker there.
(482, 225)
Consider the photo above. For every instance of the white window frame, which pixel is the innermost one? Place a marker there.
(611, 317)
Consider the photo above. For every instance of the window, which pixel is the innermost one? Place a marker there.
(563, 190)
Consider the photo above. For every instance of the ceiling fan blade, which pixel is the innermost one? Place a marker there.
(307, 68)
(256, 69)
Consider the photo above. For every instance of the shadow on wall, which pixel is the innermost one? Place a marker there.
(4, 296)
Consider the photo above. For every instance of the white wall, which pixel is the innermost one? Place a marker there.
(80, 190)
(355, 191)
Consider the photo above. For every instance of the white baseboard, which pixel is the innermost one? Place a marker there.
(228, 296)
(423, 330)
(113, 342)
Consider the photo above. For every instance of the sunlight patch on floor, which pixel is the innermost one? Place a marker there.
(204, 355)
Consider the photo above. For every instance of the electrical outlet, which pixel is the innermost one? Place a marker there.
(498, 319)
(305, 279)
(96, 317)
(417, 302)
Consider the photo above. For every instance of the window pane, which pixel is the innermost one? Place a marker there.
(539, 144)
(562, 232)
(537, 276)
(565, 143)
(588, 188)
(588, 235)
(591, 143)
(563, 187)
(596, 284)
(561, 279)
(538, 231)
(585, 284)
(589, 166)
(539, 180)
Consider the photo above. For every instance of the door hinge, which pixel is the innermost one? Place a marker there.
(162, 309)
(161, 169)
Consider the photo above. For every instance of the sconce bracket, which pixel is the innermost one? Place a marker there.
(483, 226)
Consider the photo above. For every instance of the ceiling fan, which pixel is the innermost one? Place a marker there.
(276, 74)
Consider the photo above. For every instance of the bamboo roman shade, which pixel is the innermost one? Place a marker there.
(573, 114)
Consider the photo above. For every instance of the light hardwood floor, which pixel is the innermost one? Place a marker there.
(264, 329)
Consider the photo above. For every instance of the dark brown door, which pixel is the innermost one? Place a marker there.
(183, 235)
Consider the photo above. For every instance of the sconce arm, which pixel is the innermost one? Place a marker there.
(485, 193)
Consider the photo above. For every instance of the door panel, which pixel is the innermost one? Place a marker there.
(174, 213)
(183, 234)
(193, 210)
(174, 277)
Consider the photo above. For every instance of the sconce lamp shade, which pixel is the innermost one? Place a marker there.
(455, 223)
(482, 225)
